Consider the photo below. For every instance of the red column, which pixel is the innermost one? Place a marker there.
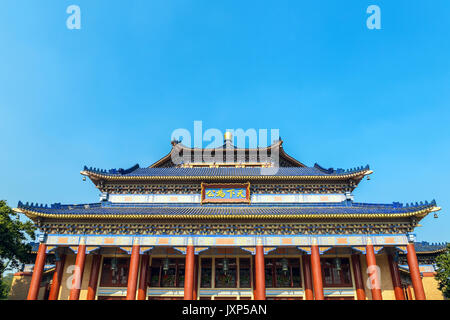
(259, 273)
(189, 270)
(416, 280)
(306, 260)
(194, 293)
(133, 273)
(316, 272)
(93, 278)
(78, 272)
(405, 294)
(142, 290)
(359, 283)
(395, 275)
(410, 296)
(37, 273)
(57, 277)
(373, 272)
(254, 277)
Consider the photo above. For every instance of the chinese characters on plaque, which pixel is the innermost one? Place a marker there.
(226, 193)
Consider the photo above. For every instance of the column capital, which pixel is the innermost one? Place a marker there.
(411, 237)
(42, 238)
(259, 241)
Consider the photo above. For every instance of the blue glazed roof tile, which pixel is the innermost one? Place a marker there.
(228, 209)
(424, 246)
(175, 172)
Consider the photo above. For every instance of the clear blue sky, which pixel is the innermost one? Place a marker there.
(110, 95)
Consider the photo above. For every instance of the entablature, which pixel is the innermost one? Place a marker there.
(212, 227)
(227, 241)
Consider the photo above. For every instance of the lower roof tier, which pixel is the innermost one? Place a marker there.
(344, 210)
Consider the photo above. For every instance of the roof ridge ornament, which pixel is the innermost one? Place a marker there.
(329, 170)
(228, 136)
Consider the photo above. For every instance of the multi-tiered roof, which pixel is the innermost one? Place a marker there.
(285, 190)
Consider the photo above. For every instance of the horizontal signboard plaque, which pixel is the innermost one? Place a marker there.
(226, 192)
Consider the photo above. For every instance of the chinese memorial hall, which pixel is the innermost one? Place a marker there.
(244, 228)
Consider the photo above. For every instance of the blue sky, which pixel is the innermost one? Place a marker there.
(110, 95)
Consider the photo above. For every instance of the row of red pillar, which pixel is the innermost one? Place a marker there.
(311, 269)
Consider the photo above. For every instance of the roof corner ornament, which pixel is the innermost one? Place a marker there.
(175, 142)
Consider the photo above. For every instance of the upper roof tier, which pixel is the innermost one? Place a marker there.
(247, 164)
(303, 173)
(227, 154)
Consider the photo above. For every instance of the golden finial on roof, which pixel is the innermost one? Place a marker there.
(228, 136)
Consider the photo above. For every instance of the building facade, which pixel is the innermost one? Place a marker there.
(242, 227)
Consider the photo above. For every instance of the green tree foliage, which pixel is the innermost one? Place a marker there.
(14, 247)
(5, 286)
(443, 271)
